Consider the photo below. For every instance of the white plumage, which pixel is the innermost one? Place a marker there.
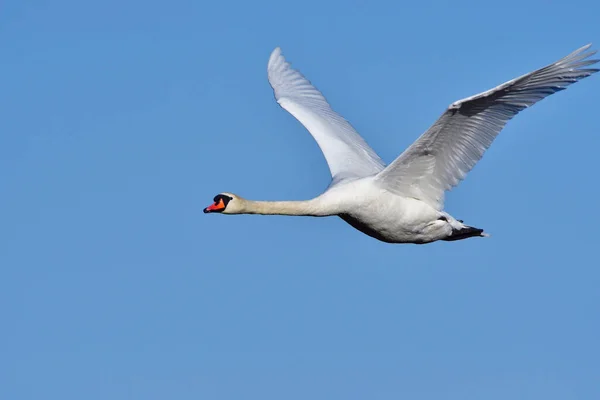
(347, 154)
(403, 202)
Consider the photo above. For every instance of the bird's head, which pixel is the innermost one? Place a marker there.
(226, 203)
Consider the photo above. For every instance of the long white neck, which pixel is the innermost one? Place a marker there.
(313, 207)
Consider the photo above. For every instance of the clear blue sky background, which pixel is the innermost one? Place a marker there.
(121, 121)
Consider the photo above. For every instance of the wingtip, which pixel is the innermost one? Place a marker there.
(275, 55)
(583, 49)
(577, 55)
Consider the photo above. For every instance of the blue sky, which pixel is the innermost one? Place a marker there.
(122, 120)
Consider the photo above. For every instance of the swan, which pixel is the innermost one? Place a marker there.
(403, 201)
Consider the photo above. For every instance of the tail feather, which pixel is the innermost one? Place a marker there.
(464, 233)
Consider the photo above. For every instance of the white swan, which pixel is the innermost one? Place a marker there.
(402, 202)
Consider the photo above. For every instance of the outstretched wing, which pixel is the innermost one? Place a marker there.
(445, 153)
(347, 154)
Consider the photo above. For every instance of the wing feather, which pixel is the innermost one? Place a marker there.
(447, 151)
(346, 152)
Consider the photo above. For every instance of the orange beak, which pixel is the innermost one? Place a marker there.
(216, 207)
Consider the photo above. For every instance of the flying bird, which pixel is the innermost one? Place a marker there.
(402, 202)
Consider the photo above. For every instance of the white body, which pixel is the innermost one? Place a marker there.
(379, 213)
(403, 201)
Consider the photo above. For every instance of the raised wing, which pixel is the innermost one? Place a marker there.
(347, 154)
(447, 151)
